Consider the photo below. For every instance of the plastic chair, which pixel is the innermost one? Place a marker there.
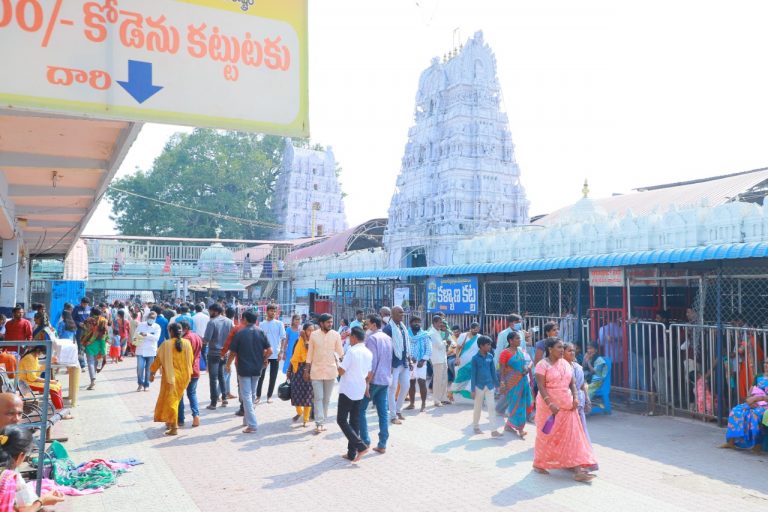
(604, 392)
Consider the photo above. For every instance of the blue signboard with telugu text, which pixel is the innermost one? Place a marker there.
(452, 295)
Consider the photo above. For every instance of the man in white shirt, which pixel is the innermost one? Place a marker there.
(201, 320)
(439, 360)
(355, 372)
(275, 331)
(145, 311)
(146, 350)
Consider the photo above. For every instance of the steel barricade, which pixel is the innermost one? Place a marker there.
(649, 364)
(607, 327)
(463, 321)
(693, 360)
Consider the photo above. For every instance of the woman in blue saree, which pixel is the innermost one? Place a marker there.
(515, 365)
(744, 420)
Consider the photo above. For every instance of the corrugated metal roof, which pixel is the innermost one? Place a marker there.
(337, 243)
(331, 245)
(712, 193)
(663, 256)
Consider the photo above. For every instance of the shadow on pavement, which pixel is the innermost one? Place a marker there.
(472, 442)
(525, 456)
(334, 462)
(447, 410)
(544, 484)
(691, 446)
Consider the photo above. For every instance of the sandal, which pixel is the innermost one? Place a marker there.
(583, 476)
(540, 471)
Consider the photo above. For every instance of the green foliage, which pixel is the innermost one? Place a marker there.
(222, 172)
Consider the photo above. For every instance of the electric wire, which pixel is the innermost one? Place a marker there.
(257, 223)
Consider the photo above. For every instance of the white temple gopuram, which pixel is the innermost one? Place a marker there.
(458, 176)
(308, 199)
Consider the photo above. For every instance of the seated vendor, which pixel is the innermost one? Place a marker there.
(29, 371)
(744, 430)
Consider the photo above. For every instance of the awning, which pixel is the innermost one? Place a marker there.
(731, 251)
(54, 170)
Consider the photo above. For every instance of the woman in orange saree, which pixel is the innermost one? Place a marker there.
(175, 358)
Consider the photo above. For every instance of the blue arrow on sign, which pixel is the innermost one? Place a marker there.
(139, 84)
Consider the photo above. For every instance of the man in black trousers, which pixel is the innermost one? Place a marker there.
(355, 372)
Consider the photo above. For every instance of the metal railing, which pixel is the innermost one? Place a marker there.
(695, 370)
(43, 423)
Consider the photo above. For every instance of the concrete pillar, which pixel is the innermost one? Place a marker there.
(186, 289)
(22, 281)
(9, 276)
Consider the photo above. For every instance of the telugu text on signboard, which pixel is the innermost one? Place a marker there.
(606, 276)
(452, 295)
(218, 63)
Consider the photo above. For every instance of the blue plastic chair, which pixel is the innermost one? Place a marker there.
(604, 392)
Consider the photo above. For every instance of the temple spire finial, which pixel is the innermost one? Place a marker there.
(585, 189)
(218, 233)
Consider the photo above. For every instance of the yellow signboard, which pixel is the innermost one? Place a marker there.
(234, 64)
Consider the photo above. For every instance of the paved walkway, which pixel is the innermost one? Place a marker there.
(433, 462)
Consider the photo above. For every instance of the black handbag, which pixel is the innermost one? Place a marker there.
(284, 391)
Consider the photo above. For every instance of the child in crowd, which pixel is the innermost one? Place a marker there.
(114, 349)
(15, 493)
(484, 382)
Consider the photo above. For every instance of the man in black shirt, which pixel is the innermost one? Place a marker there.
(251, 347)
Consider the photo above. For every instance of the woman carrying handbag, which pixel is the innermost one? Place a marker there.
(301, 390)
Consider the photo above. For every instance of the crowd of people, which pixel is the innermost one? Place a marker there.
(376, 359)
(380, 361)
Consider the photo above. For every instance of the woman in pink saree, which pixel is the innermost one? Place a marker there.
(566, 445)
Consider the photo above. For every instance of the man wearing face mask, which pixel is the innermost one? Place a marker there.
(386, 314)
(148, 334)
(514, 323)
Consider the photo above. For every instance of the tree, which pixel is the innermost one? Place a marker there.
(218, 176)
